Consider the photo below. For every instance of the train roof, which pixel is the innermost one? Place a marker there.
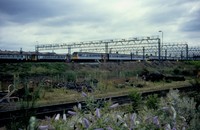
(27, 52)
(89, 52)
(96, 53)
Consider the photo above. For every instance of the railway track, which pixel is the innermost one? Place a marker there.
(40, 112)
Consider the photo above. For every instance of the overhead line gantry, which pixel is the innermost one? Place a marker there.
(134, 45)
(106, 44)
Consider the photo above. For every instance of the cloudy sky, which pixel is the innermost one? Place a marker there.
(25, 23)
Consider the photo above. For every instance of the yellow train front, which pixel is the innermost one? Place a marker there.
(88, 57)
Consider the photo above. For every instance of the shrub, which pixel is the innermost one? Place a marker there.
(176, 71)
(152, 102)
(144, 71)
(173, 113)
(26, 104)
(70, 76)
(136, 99)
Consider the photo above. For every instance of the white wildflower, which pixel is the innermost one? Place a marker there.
(57, 117)
(174, 112)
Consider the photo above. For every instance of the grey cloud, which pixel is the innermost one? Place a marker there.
(164, 15)
(167, 12)
(82, 18)
(193, 25)
(180, 2)
(174, 3)
(25, 11)
(63, 20)
(49, 13)
(3, 19)
(13, 45)
(36, 7)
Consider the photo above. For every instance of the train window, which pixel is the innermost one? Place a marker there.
(75, 54)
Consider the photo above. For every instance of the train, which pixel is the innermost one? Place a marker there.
(14, 56)
(88, 56)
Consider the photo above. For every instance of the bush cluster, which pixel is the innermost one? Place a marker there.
(170, 113)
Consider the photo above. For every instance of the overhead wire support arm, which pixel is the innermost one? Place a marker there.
(125, 45)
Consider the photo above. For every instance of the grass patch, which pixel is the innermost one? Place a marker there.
(113, 79)
(62, 95)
